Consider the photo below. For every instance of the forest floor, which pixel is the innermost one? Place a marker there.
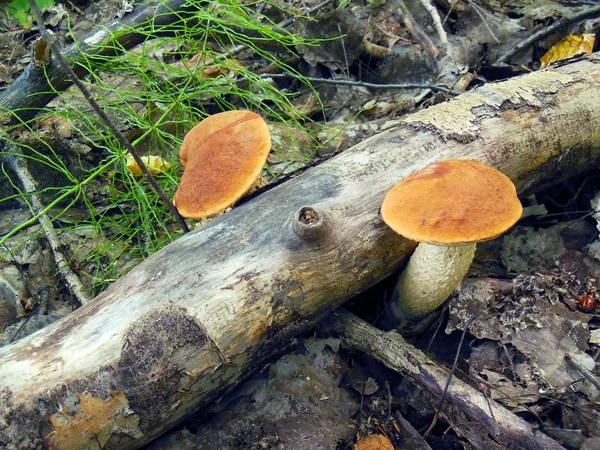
(325, 75)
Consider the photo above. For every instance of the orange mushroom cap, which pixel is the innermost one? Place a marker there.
(453, 202)
(223, 155)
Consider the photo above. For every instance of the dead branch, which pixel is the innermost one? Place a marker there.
(507, 431)
(17, 164)
(565, 21)
(437, 23)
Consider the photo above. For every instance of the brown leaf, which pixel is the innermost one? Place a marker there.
(212, 67)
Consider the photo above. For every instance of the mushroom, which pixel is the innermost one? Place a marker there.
(447, 207)
(223, 156)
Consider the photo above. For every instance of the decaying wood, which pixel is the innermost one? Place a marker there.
(196, 317)
(501, 431)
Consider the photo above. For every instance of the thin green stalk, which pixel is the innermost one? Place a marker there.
(120, 137)
(56, 201)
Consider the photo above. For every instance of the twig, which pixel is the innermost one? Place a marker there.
(362, 406)
(42, 297)
(14, 336)
(586, 373)
(415, 30)
(51, 42)
(478, 9)
(510, 361)
(443, 397)
(344, 49)
(479, 382)
(440, 321)
(487, 393)
(433, 12)
(388, 391)
(17, 165)
(433, 87)
(583, 14)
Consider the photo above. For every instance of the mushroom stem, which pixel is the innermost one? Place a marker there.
(431, 275)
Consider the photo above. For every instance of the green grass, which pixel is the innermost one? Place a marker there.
(156, 99)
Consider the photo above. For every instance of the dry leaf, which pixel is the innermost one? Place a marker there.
(570, 46)
(155, 165)
(213, 68)
(374, 442)
(228, 67)
(61, 125)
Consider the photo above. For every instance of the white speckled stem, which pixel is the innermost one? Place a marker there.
(431, 275)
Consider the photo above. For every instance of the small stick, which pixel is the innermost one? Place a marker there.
(43, 298)
(362, 405)
(440, 321)
(51, 42)
(37, 308)
(477, 9)
(437, 22)
(17, 165)
(392, 350)
(415, 30)
(443, 397)
(388, 391)
(487, 393)
(510, 361)
(432, 87)
(586, 373)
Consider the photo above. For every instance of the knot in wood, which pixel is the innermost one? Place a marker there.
(308, 216)
(310, 224)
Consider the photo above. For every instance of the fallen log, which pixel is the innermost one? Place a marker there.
(195, 318)
(485, 424)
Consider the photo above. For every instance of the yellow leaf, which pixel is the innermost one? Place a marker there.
(155, 165)
(570, 46)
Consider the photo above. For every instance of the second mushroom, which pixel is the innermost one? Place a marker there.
(447, 207)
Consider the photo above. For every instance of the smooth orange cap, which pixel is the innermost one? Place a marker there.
(223, 155)
(453, 202)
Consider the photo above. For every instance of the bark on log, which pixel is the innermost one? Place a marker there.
(466, 408)
(37, 85)
(196, 317)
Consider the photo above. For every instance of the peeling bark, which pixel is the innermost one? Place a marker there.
(195, 318)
